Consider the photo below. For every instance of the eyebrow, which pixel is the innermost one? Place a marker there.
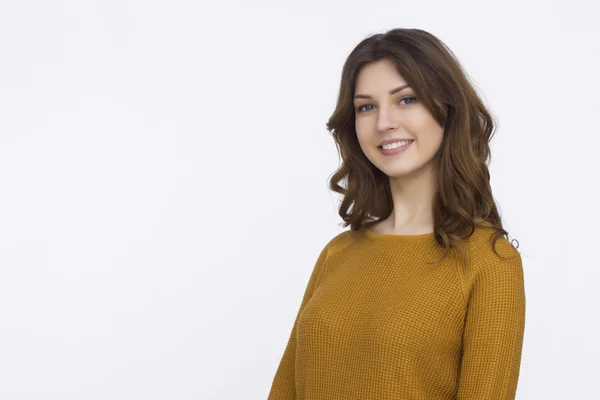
(365, 96)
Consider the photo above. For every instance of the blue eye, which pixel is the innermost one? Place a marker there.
(413, 99)
(360, 108)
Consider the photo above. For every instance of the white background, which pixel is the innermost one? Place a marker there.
(164, 170)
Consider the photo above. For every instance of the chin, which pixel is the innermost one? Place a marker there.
(402, 172)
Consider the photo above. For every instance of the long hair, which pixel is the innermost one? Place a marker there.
(464, 197)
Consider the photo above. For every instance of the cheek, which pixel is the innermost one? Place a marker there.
(427, 128)
(361, 140)
(421, 119)
(361, 127)
(364, 131)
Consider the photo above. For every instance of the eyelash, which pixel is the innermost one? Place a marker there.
(404, 98)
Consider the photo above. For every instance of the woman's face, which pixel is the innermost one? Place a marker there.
(400, 115)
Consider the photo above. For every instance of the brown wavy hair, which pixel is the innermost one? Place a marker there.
(464, 197)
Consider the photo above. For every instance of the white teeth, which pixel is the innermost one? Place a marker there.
(395, 145)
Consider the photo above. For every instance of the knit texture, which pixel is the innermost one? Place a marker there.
(377, 322)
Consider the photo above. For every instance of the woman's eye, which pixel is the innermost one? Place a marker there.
(413, 99)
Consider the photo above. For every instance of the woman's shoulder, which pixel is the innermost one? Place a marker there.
(482, 245)
(339, 242)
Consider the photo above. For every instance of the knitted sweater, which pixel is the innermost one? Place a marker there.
(378, 322)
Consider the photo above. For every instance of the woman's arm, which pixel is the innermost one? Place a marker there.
(494, 329)
(284, 383)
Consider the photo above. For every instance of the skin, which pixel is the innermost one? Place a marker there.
(412, 173)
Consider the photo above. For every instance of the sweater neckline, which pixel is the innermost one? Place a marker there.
(385, 236)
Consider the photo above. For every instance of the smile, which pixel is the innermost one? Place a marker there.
(397, 150)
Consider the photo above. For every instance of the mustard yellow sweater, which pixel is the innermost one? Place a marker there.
(377, 322)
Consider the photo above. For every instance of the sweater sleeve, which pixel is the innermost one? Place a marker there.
(494, 329)
(284, 383)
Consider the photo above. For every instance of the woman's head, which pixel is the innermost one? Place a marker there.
(387, 108)
(447, 120)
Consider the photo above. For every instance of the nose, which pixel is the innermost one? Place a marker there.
(386, 120)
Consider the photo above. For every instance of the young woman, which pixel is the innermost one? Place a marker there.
(423, 297)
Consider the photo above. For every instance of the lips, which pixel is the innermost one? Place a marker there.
(381, 146)
(396, 150)
(390, 141)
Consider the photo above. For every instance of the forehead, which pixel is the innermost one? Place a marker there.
(378, 78)
(380, 74)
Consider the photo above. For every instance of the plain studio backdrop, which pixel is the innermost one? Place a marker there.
(163, 174)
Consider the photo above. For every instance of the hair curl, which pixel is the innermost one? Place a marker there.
(464, 197)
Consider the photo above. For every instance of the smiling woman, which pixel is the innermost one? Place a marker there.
(423, 297)
(397, 123)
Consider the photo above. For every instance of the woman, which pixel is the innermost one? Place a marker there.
(423, 298)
